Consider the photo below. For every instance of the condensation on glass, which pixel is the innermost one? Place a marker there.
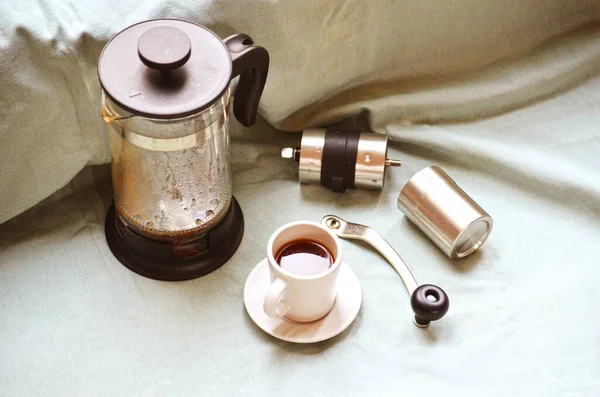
(171, 178)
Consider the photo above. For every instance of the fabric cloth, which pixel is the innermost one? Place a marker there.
(523, 309)
(419, 61)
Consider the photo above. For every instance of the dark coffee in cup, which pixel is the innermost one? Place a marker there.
(304, 257)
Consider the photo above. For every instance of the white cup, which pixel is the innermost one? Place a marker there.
(298, 297)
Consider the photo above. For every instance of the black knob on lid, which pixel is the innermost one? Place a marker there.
(164, 48)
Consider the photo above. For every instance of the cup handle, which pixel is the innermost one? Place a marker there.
(274, 306)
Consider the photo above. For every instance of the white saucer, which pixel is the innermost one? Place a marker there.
(344, 311)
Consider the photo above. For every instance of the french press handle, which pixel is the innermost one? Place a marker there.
(251, 63)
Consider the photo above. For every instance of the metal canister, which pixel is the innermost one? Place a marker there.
(444, 212)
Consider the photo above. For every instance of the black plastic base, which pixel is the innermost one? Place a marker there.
(155, 259)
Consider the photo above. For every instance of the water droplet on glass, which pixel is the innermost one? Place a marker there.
(185, 208)
(211, 189)
(193, 201)
(198, 221)
(368, 158)
(318, 149)
(149, 224)
(209, 213)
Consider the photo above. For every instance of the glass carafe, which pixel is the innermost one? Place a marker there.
(171, 178)
(166, 100)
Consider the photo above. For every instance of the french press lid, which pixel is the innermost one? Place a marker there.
(169, 68)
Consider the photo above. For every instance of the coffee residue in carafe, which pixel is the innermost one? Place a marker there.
(171, 194)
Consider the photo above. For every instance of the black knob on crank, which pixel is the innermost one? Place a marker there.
(430, 303)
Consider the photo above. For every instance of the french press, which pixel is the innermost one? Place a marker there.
(165, 97)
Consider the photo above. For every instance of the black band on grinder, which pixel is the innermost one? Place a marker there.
(338, 163)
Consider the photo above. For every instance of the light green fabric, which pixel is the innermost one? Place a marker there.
(523, 317)
(418, 61)
(524, 309)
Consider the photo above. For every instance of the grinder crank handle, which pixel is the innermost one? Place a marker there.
(429, 302)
